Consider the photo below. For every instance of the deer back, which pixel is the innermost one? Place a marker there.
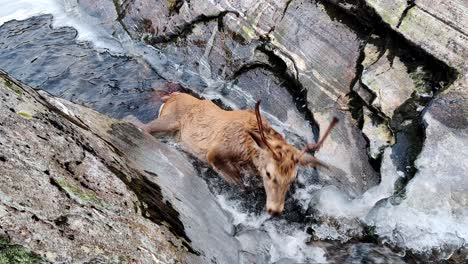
(204, 125)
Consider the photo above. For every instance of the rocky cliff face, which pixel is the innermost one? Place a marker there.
(394, 72)
(69, 195)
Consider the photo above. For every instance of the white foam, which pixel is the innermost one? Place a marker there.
(290, 242)
(332, 202)
(65, 13)
(287, 240)
(239, 217)
(303, 195)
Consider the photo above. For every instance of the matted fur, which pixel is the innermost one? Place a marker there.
(230, 140)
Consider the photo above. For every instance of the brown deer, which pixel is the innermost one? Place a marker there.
(233, 140)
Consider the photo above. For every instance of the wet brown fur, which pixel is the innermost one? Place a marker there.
(229, 140)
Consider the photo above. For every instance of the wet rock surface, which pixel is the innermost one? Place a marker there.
(387, 70)
(76, 202)
(77, 71)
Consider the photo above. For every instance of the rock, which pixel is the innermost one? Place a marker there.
(94, 168)
(73, 203)
(391, 12)
(350, 253)
(364, 93)
(346, 152)
(437, 27)
(325, 66)
(454, 14)
(160, 21)
(436, 37)
(449, 108)
(378, 133)
(373, 50)
(438, 192)
(390, 82)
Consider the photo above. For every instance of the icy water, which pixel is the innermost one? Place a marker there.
(61, 47)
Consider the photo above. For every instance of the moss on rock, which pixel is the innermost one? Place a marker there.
(17, 254)
(25, 114)
(13, 87)
(77, 193)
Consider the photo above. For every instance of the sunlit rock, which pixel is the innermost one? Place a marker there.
(390, 82)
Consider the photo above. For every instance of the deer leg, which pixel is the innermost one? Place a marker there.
(162, 124)
(221, 161)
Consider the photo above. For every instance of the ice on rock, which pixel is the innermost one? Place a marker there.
(434, 214)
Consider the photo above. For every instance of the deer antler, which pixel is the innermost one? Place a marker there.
(260, 128)
(319, 144)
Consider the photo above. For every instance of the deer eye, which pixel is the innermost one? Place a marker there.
(268, 175)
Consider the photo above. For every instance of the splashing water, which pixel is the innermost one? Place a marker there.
(65, 13)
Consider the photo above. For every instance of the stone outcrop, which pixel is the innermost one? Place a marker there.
(76, 202)
(436, 36)
(390, 82)
(378, 132)
(89, 198)
(436, 26)
(440, 29)
(438, 192)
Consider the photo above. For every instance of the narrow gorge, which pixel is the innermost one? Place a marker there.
(79, 184)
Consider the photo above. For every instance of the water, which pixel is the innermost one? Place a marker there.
(66, 13)
(97, 64)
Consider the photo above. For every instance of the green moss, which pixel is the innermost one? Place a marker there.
(25, 114)
(146, 39)
(248, 33)
(13, 87)
(370, 234)
(4, 240)
(421, 80)
(171, 4)
(17, 254)
(78, 193)
(123, 259)
(117, 7)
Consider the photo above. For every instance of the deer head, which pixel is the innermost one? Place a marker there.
(277, 161)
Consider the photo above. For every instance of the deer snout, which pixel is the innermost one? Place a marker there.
(274, 213)
(275, 210)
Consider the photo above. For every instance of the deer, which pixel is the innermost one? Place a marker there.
(230, 141)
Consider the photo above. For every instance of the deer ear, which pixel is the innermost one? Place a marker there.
(311, 161)
(257, 138)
